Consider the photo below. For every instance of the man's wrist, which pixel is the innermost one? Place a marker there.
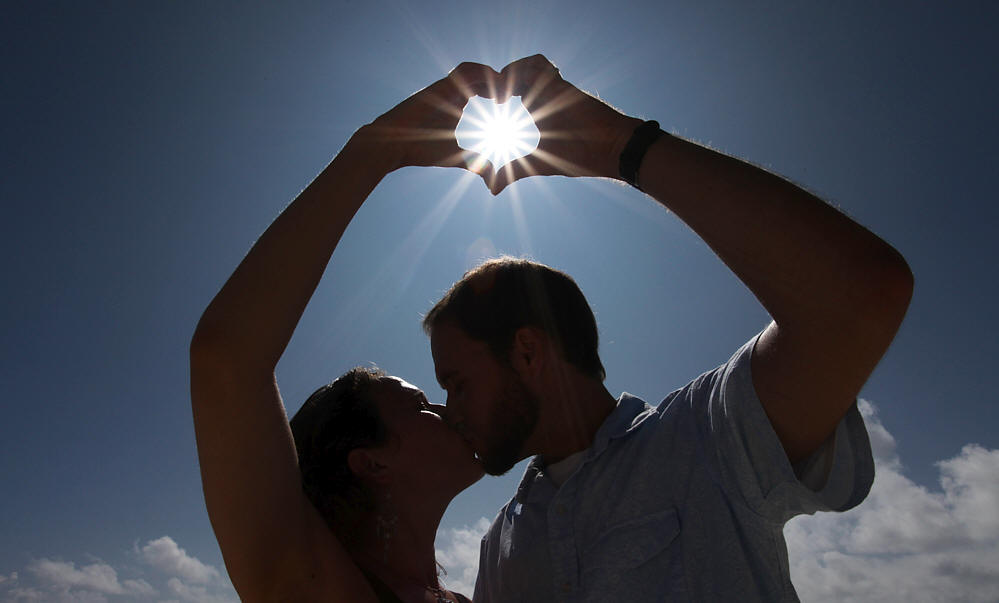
(630, 161)
(622, 134)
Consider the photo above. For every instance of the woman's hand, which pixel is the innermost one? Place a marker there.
(419, 131)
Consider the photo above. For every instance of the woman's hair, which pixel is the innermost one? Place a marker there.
(336, 419)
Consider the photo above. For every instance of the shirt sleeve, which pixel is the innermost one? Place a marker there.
(748, 459)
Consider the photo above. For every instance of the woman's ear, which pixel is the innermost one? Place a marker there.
(365, 464)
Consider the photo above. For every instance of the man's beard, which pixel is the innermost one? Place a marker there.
(514, 415)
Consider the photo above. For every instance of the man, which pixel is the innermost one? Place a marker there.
(685, 501)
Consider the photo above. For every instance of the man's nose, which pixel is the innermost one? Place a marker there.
(450, 417)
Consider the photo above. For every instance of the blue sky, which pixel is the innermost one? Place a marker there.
(145, 146)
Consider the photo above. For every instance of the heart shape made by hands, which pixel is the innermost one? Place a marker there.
(499, 132)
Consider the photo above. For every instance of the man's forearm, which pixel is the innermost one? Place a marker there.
(806, 262)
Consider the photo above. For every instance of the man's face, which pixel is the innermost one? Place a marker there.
(487, 401)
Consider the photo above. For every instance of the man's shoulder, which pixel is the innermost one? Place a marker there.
(698, 392)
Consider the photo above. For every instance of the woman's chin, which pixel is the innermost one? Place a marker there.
(474, 474)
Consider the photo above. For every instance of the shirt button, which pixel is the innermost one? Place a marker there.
(560, 509)
(566, 587)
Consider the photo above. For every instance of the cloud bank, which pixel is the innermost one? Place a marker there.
(458, 552)
(905, 542)
(164, 555)
(181, 578)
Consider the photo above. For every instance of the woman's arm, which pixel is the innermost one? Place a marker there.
(275, 544)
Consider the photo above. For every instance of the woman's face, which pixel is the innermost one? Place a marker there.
(424, 451)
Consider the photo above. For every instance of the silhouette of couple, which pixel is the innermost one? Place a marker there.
(622, 501)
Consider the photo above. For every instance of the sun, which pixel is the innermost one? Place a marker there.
(501, 133)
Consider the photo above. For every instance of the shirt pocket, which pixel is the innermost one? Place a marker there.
(635, 553)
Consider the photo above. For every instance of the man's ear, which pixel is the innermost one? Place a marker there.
(365, 464)
(529, 353)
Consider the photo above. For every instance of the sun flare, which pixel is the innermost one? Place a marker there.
(500, 133)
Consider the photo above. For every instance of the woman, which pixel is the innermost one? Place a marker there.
(351, 513)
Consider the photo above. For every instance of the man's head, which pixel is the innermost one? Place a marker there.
(502, 311)
(502, 295)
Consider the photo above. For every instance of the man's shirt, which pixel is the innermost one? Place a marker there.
(683, 502)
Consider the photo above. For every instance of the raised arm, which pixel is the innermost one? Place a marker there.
(836, 292)
(275, 544)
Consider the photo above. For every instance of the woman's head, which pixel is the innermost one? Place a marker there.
(337, 418)
(366, 433)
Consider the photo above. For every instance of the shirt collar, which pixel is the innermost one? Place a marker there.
(628, 414)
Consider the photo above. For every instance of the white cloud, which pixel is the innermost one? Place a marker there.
(183, 577)
(164, 554)
(197, 593)
(905, 542)
(458, 552)
(97, 577)
(139, 587)
(23, 594)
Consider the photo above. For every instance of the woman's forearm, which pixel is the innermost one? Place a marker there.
(253, 316)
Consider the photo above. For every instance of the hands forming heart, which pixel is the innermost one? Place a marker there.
(500, 132)
(579, 135)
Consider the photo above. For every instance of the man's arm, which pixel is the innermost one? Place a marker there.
(274, 542)
(836, 292)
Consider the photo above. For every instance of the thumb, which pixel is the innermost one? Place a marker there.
(521, 167)
(478, 164)
(473, 162)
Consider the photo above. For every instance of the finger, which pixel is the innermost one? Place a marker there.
(538, 163)
(471, 161)
(527, 75)
(471, 79)
(450, 94)
(522, 167)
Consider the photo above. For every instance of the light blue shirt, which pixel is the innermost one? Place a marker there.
(684, 502)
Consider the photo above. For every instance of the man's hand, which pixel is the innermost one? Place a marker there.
(419, 131)
(579, 135)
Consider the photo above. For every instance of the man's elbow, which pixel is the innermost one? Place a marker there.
(882, 298)
(893, 287)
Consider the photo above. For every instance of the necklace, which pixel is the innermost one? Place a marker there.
(439, 593)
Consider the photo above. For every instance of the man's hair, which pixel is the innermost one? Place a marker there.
(336, 419)
(501, 295)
